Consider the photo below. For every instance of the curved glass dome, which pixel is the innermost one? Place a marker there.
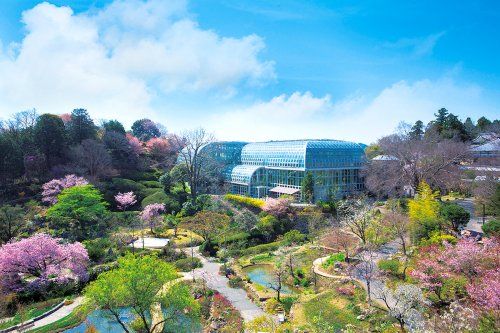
(242, 174)
(303, 154)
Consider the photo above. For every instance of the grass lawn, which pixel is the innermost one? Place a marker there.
(71, 320)
(336, 311)
(183, 237)
(31, 311)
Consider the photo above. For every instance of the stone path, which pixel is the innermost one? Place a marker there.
(475, 222)
(238, 297)
(59, 314)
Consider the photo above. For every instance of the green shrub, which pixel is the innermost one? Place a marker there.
(288, 302)
(269, 247)
(97, 248)
(293, 237)
(157, 197)
(332, 259)
(147, 192)
(247, 201)
(235, 282)
(126, 185)
(454, 288)
(389, 265)
(491, 228)
(171, 204)
(240, 236)
(187, 264)
(151, 183)
(143, 175)
(438, 238)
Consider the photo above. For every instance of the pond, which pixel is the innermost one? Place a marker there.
(263, 275)
(103, 321)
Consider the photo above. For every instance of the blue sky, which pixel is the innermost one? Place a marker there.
(253, 70)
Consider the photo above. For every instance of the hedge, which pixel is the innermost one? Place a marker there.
(247, 201)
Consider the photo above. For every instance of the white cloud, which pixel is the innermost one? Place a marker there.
(420, 46)
(357, 118)
(116, 60)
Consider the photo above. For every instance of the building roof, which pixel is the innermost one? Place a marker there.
(242, 174)
(385, 158)
(284, 190)
(303, 154)
(493, 145)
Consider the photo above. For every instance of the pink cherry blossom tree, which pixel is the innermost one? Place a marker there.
(35, 262)
(277, 207)
(477, 262)
(152, 214)
(125, 200)
(485, 292)
(54, 187)
(135, 144)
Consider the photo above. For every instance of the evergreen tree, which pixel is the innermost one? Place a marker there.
(470, 128)
(145, 129)
(454, 129)
(483, 123)
(50, 137)
(81, 126)
(417, 131)
(308, 187)
(440, 121)
(114, 126)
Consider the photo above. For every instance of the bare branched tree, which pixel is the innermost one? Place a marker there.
(398, 223)
(191, 155)
(341, 241)
(278, 278)
(410, 161)
(94, 158)
(366, 269)
(357, 215)
(405, 304)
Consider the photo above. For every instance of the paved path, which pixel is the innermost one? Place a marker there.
(59, 314)
(317, 269)
(238, 297)
(475, 222)
(377, 282)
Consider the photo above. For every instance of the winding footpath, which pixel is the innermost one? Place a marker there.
(57, 315)
(238, 297)
(377, 283)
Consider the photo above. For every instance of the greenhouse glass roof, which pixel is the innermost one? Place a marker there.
(242, 174)
(303, 154)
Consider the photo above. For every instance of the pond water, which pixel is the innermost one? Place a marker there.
(103, 321)
(263, 275)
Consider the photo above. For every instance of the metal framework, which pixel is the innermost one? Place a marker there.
(255, 168)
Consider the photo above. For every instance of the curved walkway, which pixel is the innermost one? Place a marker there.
(377, 284)
(59, 314)
(238, 297)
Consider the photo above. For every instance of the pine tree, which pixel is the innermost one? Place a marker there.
(417, 131)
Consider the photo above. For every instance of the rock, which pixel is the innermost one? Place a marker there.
(360, 317)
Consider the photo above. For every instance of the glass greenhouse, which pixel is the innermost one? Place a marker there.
(278, 167)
